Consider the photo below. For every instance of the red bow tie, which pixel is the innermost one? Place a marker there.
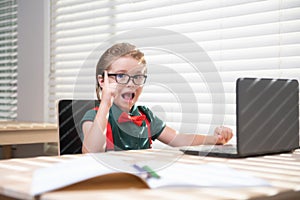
(138, 120)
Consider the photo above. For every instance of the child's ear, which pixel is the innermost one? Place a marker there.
(100, 80)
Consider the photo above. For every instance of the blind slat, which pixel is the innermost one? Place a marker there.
(237, 38)
(8, 59)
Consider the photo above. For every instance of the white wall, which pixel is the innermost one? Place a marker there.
(33, 59)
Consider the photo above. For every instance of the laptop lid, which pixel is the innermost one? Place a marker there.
(267, 116)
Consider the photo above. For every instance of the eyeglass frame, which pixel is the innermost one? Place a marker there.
(129, 78)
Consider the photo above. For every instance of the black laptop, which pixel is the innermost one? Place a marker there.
(267, 117)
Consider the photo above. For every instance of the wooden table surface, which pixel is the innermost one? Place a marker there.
(282, 171)
(13, 133)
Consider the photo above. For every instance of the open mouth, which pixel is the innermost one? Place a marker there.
(128, 96)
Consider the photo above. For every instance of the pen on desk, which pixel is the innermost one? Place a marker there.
(151, 172)
(142, 172)
(138, 168)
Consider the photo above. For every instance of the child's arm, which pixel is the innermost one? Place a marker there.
(95, 132)
(169, 136)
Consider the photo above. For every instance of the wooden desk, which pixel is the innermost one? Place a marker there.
(12, 133)
(281, 171)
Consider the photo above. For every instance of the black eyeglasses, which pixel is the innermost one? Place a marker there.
(138, 79)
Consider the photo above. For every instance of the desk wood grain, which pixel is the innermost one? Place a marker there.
(26, 133)
(13, 133)
(282, 171)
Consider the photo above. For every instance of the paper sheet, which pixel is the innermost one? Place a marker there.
(175, 175)
(66, 173)
(204, 175)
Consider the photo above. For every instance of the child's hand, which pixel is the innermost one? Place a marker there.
(108, 90)
(223, 134)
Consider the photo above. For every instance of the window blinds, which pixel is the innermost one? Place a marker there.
(8, 59)
(195, 51)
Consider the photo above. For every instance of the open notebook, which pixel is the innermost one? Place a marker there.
(123, 171)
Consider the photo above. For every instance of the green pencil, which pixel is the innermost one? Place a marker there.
(151, 171)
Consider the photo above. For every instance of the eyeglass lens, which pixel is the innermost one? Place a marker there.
(125, 78)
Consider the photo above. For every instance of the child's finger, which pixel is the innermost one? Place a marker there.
(105, 78)
(226, 133)
(109, 86)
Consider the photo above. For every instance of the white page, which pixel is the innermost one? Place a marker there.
(66, 173)
(204, 175)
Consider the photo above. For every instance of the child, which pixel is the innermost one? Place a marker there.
(117, 123)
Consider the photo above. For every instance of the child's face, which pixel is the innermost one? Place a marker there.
(126, 95)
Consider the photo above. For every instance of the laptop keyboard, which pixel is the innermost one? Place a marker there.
(216, 148)
(224, 149)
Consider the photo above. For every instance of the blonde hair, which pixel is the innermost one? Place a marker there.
(112, 54)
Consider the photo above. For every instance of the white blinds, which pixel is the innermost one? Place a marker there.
(195, 51)
(8, 59)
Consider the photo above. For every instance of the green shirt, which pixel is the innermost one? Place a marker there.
(128, 136)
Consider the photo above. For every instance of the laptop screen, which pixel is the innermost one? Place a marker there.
(267, 115)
